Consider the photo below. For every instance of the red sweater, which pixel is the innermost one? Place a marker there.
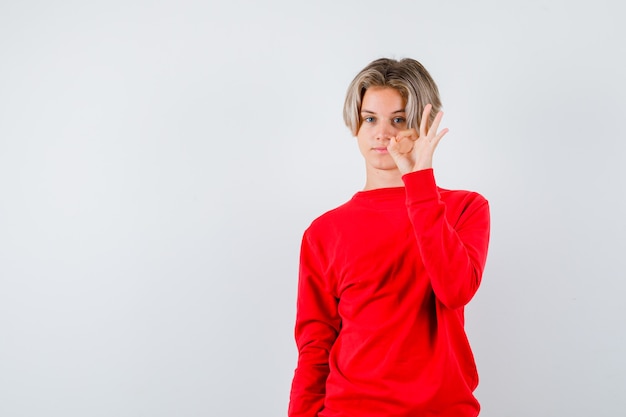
(382, 286)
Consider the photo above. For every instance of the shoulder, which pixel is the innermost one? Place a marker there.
(465, 206)
(329, 221)
(332, 216)
(461, 196)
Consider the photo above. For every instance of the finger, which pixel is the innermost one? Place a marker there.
(405, 145)
(392, 146)
(410, 134)
(439, 136)
(424, 121)
(400, 145)
(433, 128)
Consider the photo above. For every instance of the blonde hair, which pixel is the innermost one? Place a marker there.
(407, 76)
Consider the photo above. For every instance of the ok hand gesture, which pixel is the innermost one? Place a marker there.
(413, 151)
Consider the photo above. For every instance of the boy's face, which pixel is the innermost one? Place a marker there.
(383, 116)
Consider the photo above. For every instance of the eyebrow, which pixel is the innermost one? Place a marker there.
(371, 112)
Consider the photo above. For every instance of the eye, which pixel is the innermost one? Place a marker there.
(399, 120)
(368, 119)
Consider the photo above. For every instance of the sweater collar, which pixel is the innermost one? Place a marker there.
(381, 197)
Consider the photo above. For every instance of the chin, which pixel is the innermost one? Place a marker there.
(385, 166)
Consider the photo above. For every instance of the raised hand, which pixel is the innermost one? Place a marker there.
(413, 151)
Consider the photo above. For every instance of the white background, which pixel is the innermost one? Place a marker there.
(159, 162)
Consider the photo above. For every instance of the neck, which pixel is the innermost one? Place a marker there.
(378, 178)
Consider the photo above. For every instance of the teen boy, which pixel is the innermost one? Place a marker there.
(384, 277)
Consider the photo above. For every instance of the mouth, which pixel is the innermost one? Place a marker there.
(380, 149)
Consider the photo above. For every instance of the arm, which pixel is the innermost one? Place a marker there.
(317, 326)
(454, 255)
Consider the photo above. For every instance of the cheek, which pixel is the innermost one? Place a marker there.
(366, 130)
(362, 143)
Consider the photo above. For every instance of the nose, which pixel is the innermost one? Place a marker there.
(385, 131)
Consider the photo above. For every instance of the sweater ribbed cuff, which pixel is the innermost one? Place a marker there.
(420, 187)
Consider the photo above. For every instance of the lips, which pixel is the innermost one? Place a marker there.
(380, 149)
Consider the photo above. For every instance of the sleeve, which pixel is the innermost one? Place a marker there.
(454, 255)
(316, 329)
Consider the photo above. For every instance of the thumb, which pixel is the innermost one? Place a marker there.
(401, 146)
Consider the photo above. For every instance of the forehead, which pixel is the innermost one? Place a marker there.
(382, 99)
